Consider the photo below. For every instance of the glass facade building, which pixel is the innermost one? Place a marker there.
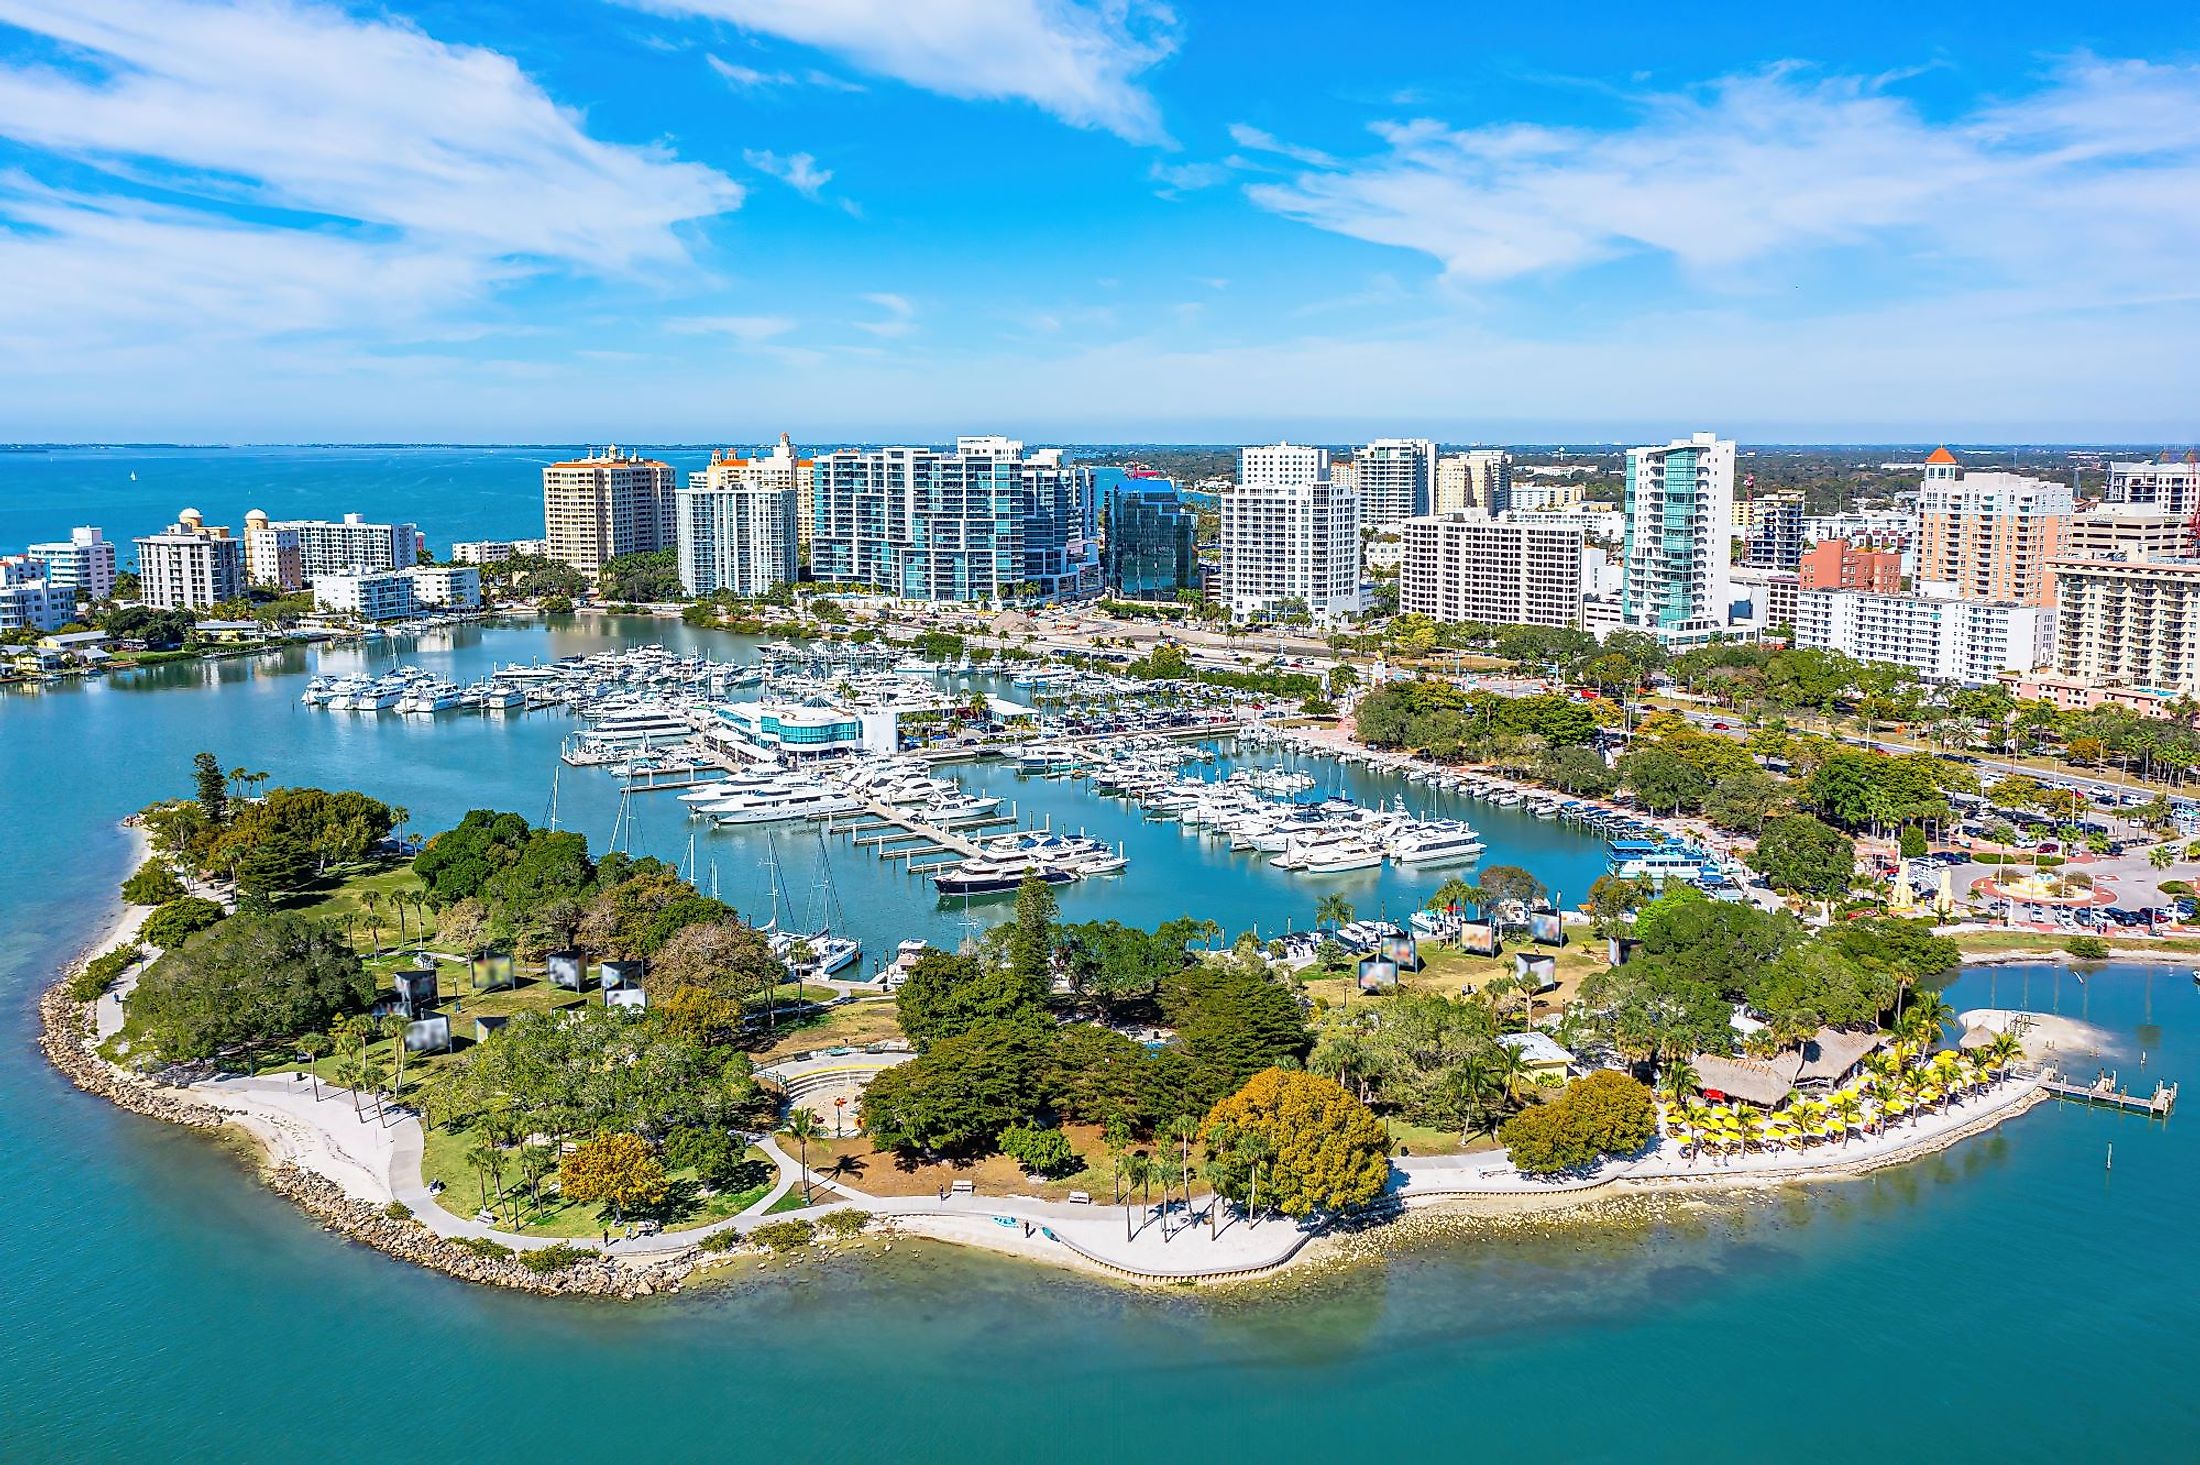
(1148, 550)
(989, 521)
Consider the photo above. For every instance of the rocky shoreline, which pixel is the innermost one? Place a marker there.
(65, 1028)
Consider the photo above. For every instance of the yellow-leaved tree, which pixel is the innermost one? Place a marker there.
(619, 1170)
(1298, 1142)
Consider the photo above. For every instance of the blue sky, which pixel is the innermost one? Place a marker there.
(256, 220)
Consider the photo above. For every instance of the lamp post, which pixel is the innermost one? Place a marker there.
(840, 1107)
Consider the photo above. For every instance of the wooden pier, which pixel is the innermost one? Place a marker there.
(2106, 1090)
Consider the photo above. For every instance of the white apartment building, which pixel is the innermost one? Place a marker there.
(1769, 596)
(273, 555)
(374, 595)
(325, 547)
(1464, 567)
(1396, 479)
(782, 468)
(597, 508)
(84, 563)
(2129, 623)
(737, 533)
(1289, 536)
(1679, 521)
(1551, 496)
(445, 587)
(494, 551)
(1941, 638)
(1864, 528)
(36, 605)
(190, 565)
(2169, 484)
(1283, 464)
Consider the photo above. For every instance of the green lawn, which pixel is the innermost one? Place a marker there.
(444, 1158)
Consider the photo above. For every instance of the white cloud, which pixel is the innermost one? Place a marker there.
(243, 172)
(2091, 182)
(1180, 178)
(1254, 139)
(748, 77)
(799, 171)
(745, 328)
(1079, 60)
(900, 316)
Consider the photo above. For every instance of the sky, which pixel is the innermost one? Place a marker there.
(1097, 220)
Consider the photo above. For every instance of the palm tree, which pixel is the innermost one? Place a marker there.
(352, 1074)
(2006, 1049)
(1186, 1128)
(803, 1125)
(488, 1161)
(1509, 1067)
(1882, 1092)
(1332, 910)
(1847, 1107)
(393, 1028)
(1927, 1016)
(1137, 1169)
(372, 901)
(1678, 1081)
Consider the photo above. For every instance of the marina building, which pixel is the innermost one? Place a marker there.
(373, 595)
(1396, 479)
(84, 563)
(596, 508)
(1679, 509)
(445, 587)
(800, 730)
(1148, 541)
(2129, 623)
(2167, 483)
(1837, 564)
(990, 521)
(737, 530)
(1941, 638)
(495, 551)
(1462, 567)
(191, 565)
(1989, 534)
(1290, 537)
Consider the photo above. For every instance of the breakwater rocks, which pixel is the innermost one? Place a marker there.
(65, 1036)
(594, 1275)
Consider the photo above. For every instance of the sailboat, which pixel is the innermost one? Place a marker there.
(825, 953)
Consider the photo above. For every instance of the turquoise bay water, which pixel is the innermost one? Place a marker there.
(449, 492)
(2011, 1299)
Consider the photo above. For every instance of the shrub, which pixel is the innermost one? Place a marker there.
(2087, 948)
(1913, 842)
(482, 1246)
(785, 1235)
(844, 1224)
(555, 1257)
(725, 1240)
(397, 1210)
(184, 917)
(1039, 1151)
(153, 884)
(101, 971)
(1604, 1114)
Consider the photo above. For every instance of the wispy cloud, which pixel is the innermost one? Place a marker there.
(748, 78)
(1178, 179)
(746, 328)
(899, 320)
(1253, 139)
(267, 167)
(1760, 172)
(799, 171)
(1079, 60)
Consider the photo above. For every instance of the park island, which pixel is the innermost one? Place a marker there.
(500, 1053)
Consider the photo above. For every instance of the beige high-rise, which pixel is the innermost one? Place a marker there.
(597, 508)
(1989, 536)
